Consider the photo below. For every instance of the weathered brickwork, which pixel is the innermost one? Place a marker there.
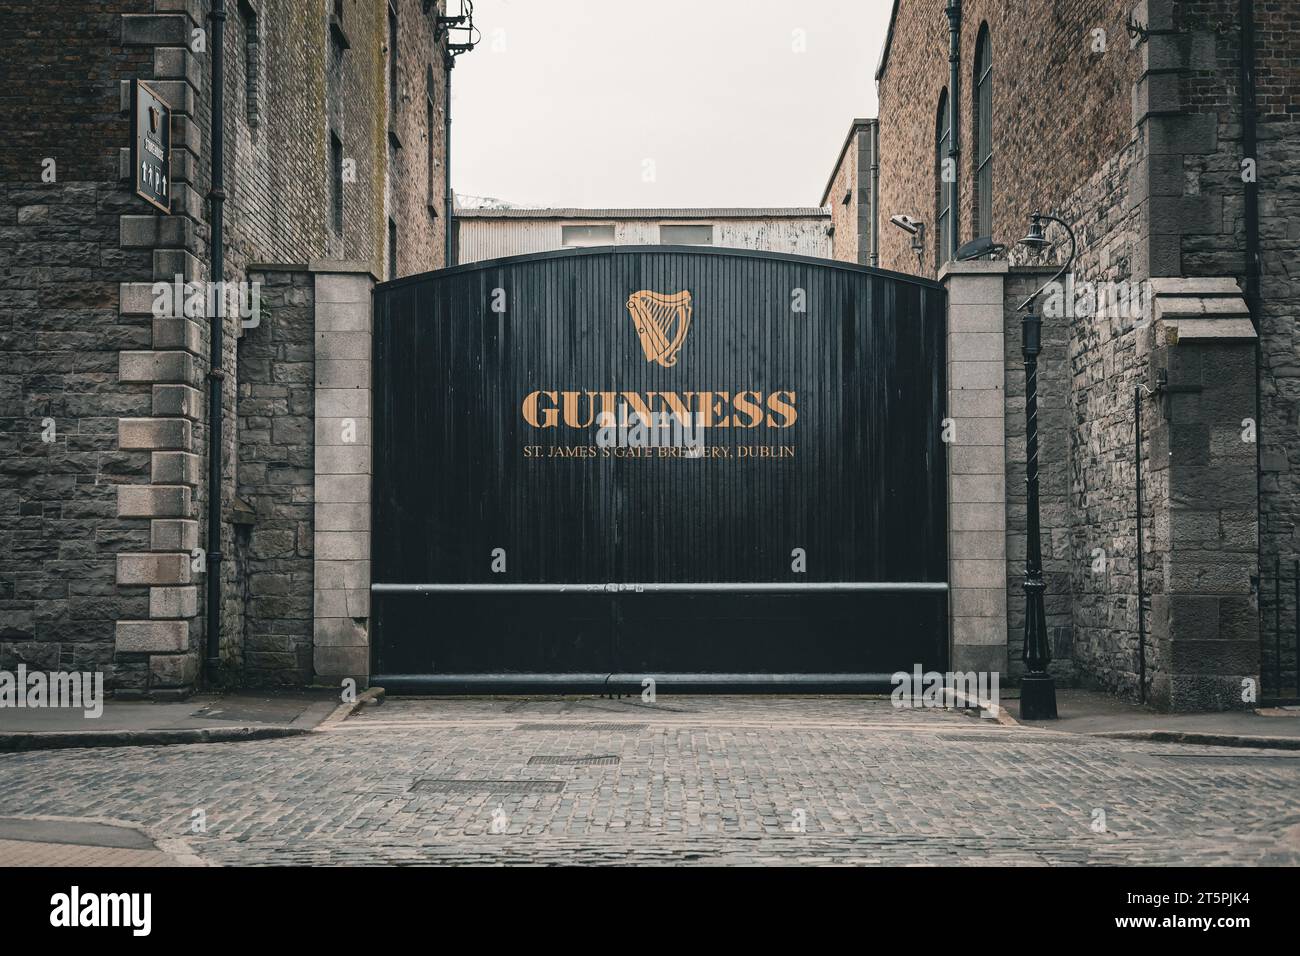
(101, 523)
(1106, 362)
(1060, 111)
(849, 197)
(1139, 149)
(1071, 153)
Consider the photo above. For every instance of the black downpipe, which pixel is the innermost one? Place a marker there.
(451, 255)
(1249, 145)
(216, 374)
(954, 124)
(1142, 617)
(875, 196)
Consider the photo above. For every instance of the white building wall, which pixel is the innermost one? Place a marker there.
(492, 238)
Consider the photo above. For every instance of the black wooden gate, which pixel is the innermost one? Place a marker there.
(706, 467)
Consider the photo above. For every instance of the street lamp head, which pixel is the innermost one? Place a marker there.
(1035, 242)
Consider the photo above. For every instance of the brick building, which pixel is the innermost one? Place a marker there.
(851, 196)
(1132, 123)
(335, 167)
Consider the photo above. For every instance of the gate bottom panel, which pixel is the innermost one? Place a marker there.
(764, 633)
(491, 633)
(698, 634)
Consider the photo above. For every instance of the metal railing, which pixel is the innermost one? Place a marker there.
(877, 587)
(1279, 631)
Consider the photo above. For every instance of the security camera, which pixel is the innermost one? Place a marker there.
(907, 224)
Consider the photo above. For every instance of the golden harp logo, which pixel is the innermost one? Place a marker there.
(661, 322)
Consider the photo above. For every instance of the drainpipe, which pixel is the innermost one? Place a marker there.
(1248, 136)
(451, 255)
(1249, 149)
(875, 194)
(216, 374)
(954, 120)
(1137, 471)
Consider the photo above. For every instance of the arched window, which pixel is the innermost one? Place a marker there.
(942, 204)
(983, 134)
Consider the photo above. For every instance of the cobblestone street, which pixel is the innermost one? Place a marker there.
(686, 780)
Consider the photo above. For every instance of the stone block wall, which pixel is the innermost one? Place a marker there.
(1204, 609)
(975, 428)
(1138, 148)
(60, 333)
(343, 415)
(60, 460)
(273, 539)
(1211, 241)
(102, 524)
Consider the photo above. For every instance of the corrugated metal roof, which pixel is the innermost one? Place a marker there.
(773, 212)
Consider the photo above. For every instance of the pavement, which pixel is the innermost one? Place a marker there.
(1098, 714)
(207, 718)
(823, 780)
(58, 841)
(216, 718)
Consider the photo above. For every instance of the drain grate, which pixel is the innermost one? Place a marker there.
(620, 726)
(996, 739)
(487, 786)
(583, 761)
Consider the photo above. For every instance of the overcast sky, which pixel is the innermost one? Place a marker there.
(653, 103)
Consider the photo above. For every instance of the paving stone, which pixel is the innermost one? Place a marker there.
(699, 781)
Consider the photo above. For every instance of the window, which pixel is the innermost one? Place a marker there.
(984, 135)
(338, 38)
(392, 62)
(252, 66)
(392, 249)
(336, 182)
(686, 235)
(580, 236)
(942, 205)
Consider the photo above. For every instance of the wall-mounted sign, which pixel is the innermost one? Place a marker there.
(151, 145)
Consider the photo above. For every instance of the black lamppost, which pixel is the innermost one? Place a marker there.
(1037, 687)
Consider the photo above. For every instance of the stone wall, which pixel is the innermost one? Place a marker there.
(1075, 154)
(103, 525)
(1150, 184)
(60, 331)
(273, 530)
(975, 430)
(1209, 88)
